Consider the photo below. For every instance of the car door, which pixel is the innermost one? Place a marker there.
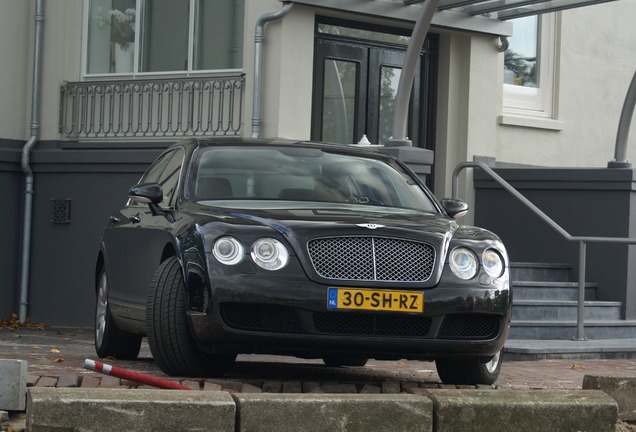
(137, 239)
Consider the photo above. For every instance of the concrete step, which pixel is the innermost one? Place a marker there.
(564, 330)
(524, 350)
(538, 290)
(523, 271)
(540, 310)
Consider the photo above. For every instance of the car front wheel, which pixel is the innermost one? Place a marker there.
(110, 340)
(169, 338)
(471, 371)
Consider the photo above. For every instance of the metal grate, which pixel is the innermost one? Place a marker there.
(372, 259)
(470, 326)
(60, 211)
(259, 317)
(371, 324)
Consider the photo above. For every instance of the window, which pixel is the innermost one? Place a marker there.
(163, 36)
(165, 172)
(529, 67)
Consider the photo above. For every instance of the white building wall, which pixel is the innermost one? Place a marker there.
(16, 47)
(597, 59)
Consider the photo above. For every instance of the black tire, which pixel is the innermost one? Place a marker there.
(345, 361)
(470, 371)
(110, 341)
(169, 338)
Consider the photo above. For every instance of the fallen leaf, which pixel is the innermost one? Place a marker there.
(109, 358)
(66, 339)
(37, 347)
(577, 367)
(55, 351)
(59, 360)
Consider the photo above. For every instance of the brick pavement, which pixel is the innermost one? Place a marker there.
(55, 359)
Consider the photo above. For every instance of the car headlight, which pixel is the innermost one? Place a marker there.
(493, 263)
(270, 254)
(463, 262)
(228, 250)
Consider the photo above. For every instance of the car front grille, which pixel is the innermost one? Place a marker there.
(377, 259)
(372, 325)
(470, 326)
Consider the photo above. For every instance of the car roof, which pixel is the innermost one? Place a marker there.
(354, 149)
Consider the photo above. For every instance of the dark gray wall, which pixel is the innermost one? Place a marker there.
(95, 178)
(10, 193)
(585, 202)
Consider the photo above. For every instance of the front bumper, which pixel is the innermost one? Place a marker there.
(282, 313)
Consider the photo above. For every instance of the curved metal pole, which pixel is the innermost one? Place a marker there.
(258, 64)
(400, 115)
(28, 173)
(620, 151)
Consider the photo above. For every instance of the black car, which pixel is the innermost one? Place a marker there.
(297, 248)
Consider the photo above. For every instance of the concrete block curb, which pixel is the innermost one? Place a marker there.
(527, 411)
(333, 412)
(100, 410)
(620, 388)
(13, 378)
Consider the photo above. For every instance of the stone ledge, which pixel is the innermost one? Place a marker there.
(528, 411)
(620, 388)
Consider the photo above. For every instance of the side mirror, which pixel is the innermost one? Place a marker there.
(150, 193)
(454, 207)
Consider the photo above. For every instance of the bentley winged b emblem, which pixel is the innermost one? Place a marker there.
(370, 225)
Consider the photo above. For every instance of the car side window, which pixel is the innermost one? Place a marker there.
(169, 178)
(166, 172)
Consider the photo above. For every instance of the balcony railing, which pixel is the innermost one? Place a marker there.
(150, 109)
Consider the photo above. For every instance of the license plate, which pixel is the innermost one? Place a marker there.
(367, 299)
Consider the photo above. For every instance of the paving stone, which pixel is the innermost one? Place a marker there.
(370, 389)
(339, 388)
(46, 381)
(391, 387)
(110, 381)
(292, 387)
(210, 386)
(310, 386)
(249, 388)
(90, 381)
(68, 381)
(191, 384)
(272, 387)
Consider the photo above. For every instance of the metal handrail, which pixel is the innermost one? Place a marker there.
(582, 240)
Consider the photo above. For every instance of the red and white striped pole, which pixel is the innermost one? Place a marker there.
(132, 376)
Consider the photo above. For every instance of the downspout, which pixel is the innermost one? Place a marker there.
(26, 168)
(620, 151)
(405, 84)
(258, 64)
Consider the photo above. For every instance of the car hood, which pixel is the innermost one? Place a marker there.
(309, 220)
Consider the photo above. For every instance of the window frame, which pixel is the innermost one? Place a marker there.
(189, 72)
(537, 107)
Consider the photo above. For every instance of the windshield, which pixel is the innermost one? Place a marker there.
(303, 174)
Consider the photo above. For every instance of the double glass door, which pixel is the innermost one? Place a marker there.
(355, 83)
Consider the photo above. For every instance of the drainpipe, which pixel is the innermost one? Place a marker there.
(28, 173)
(400, 115)
(620, 151)
(258, 64)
